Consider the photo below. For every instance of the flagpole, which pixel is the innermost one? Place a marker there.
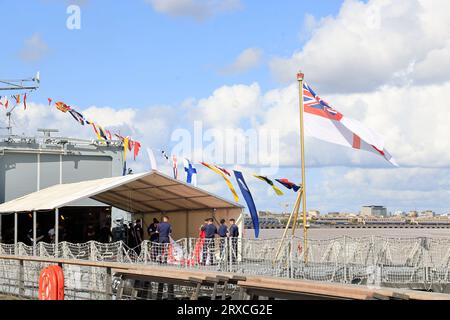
(299, 199)
(300, 77)
(293, 214)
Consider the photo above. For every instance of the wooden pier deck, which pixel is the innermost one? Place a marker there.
(220, 284)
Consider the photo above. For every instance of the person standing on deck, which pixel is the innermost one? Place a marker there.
(234, 235)
(223, 233)
(139, 235)
(164, 230)
(131, 236)
(210, 233)
(151, 230)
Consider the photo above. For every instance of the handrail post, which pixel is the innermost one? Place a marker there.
(15, 234)
(92, 250)
(291, 265)
(21, 279)
(120, 253)
(108, 284)
(230, 253)
(345, 259)
(144, 247)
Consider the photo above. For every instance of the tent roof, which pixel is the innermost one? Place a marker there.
(148, 192)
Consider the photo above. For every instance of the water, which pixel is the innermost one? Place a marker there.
(330, 233)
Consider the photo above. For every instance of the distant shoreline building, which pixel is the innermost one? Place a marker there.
(372, 210)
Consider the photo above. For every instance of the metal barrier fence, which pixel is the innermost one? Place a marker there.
(415, 263)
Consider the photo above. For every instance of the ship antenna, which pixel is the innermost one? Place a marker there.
(18, 85)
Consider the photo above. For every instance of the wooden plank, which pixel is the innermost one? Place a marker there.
(175, 275)
(301, 289)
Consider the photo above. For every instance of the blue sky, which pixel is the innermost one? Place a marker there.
(146, 57)
(152, 66)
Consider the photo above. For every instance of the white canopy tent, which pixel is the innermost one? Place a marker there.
(150, 193)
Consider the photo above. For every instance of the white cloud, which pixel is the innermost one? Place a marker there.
(369, 44)
(34, 49)
(248, 59)
(110, 117)
(195, 9)
(228, 105)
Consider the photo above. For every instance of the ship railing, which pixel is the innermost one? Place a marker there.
(420, 263)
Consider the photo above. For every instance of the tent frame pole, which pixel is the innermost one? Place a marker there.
(34, 232)
(56, 231)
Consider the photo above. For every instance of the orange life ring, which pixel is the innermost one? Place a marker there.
(51, 284)
(48, 283)
(60, 283)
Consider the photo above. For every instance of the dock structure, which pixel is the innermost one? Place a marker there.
(128, 281)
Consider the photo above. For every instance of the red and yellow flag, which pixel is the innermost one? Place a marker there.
(221, 172)
(61, 106)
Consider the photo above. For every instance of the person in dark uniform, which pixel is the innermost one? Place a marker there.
(210, 233)
(151, 230)
(139, 231)
(234, 235)
(131, 242)
(105, 235)
(139, 235)
(223, 233)
(164, 229)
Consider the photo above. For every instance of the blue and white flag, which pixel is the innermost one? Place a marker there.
(249, 199)
(190, 172)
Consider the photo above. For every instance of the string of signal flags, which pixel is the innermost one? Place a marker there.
(131, 145)
(102, 133)
(190, 173)
(17, 99)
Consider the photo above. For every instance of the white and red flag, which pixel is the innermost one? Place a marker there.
(326, 123)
